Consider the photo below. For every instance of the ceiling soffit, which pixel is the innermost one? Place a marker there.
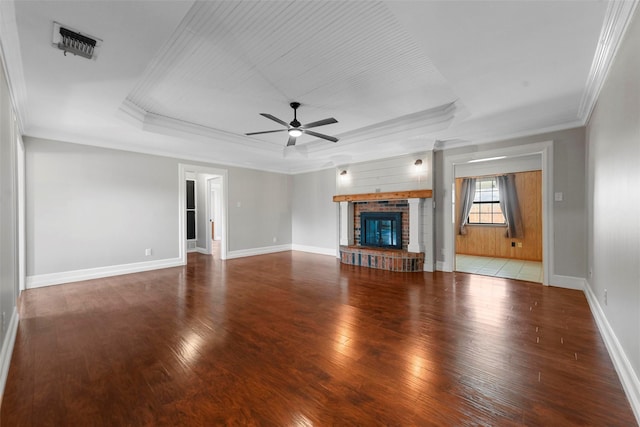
(229, 61)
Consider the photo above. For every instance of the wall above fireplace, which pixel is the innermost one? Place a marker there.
(395, 174)
(400, 184)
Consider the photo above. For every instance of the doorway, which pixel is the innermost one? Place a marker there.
(203, 241)
(482, 245)
(214, 190)
(455, 162)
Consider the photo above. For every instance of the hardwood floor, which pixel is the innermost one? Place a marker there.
(298, 339)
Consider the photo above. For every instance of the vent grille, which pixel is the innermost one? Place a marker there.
(72, 41)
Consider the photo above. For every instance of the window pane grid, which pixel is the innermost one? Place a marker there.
(486, 203)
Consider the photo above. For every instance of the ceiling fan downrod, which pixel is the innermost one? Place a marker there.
(295, 123)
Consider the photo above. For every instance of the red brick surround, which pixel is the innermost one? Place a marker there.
(383, 259)
(401, 206)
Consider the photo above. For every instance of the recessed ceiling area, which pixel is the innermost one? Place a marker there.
(189, 79)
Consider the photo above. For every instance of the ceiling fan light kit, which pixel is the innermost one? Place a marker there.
(295, 129)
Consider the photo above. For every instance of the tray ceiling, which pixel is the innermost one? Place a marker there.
(189, 79)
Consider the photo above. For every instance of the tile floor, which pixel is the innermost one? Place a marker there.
(530, 271)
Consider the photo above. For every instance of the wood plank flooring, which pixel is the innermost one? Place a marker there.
(295, 339)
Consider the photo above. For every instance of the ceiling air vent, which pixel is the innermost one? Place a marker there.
(72, 41)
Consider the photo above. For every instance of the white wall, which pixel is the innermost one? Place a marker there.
(9, 223)
(92, 212)
(392, 174)
(90, 207)
(569, 216)
(613, 159)
(259, 209)
(314, 214)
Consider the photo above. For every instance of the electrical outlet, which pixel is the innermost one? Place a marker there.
(605, 297)
(519, 244)
(275, 239)
(513, 244)
(147, 252)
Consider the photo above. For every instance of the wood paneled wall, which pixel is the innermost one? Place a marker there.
(491, 240)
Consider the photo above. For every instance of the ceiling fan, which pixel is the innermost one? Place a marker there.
(295, 128)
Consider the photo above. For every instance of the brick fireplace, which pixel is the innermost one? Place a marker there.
(411, 257)
(384, 206)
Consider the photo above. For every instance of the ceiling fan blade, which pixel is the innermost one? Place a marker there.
(265, 131)
(275, 119)
(292, 141)
(320, 135)
(320, 123)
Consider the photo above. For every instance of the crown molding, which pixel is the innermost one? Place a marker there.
(155, 123)
(616, 21)
(131, 113)
(406, 127)
(12, 62)
(411, 125)
(175, 127)
(426, 121)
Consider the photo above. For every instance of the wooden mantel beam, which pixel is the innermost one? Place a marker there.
(390, 195)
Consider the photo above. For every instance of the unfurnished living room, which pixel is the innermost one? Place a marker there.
(312, 213)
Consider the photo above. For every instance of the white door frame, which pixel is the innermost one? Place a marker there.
(213, 193)
(183, 169)
(545, 149)
(22, 242)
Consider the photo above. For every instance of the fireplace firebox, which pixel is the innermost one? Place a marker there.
(381, 229)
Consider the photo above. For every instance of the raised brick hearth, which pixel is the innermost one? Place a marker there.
(384, 259)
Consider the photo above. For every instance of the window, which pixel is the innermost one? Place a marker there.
(191, 209)
(486, 203)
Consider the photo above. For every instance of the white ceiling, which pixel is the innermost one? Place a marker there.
(189, 79)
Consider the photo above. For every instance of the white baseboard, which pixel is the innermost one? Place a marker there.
(202, 251)
(443, 266)
(568, 282)
(628, 377)
(7, 350)
(315, 250)
(241, 253)
(40, 280)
